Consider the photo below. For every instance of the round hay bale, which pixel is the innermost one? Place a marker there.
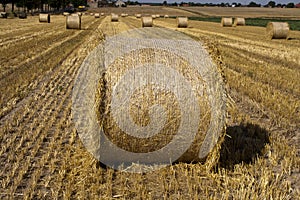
(138, 15)
(97, 15)
(102, 14)
(182, 22)
(114, 17)
(166, 16)
(22, 15)
(73, 22)
(153, 16)
(226, 21)
(157, 16)
(123, 15)
(91, 14)
(66, 13)
(43, 17)
(239, 21)
(147, 22)
(3, 15)
(278, 30)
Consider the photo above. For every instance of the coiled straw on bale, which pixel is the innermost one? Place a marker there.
(127, 67)
(44, 17)
(226, 21)
(278, 30)
(114, 17)
(182, 22)
(73, 22)
(147, 21)
(239, 21)
(97, 15)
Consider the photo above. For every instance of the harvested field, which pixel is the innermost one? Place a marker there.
(42, 156)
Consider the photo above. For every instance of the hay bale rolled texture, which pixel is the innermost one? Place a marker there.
(182, 22)
(278, 30)
(204, 113)
(44, 18)
(73, 22)
(226, 21)
(239, 21)
(97, 15)
(114, 17)
(147, 22)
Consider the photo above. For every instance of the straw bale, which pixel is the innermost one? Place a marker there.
(226, 21)
(153, 16)
(138, 15)
(182, 22)
(239, 21)
(166, 16)
(43, 17)
(73, 22)
(66, 13)
(114, 17)
(97, 15)
(278, 30)
(147, 22)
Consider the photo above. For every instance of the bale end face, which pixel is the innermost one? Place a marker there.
(44, 18)
(182, 22)
(73, 22)
(278, 30)
(226, 22)
(239, 21)
(114, 17)
(147, 22)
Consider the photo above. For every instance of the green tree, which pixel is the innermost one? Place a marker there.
(272, 4)
(290, 5)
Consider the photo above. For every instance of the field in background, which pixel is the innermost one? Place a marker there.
(41, 155)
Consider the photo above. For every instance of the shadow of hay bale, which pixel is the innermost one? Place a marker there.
(242, 144)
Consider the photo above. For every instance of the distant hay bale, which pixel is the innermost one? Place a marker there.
(153, 16)
(182, 22)
(147, 22)
(166, 16)
(157, 16)
(102, 14)
(123, 15)
(66, 13)
(239, 21)
(138, 15)
(97, 15)
(73, 22)
(43, 17)
(226, 21)
(22, 15)
(91, 14)
(278, 30)
(3, 15)
(114, 17)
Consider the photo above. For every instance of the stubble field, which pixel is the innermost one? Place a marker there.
(42, 157)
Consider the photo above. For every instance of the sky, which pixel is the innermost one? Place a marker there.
(244, 2)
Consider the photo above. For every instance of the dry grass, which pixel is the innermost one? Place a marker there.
(42, 157)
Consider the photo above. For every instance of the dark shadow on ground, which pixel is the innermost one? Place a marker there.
(242, 144)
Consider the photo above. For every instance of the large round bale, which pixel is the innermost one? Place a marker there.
(97, 15)
(73, 22)
(147, 21)
(138, 15)
(123, 15)
(102, 14)
(278, 30)
(239, 21)
(182, 22)
(43, 17)
(166, 16)
(114, 17)
(226, 21)
(157, 16)
(3, 15)
(153, 16)
(91, 14)
(159, 92)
